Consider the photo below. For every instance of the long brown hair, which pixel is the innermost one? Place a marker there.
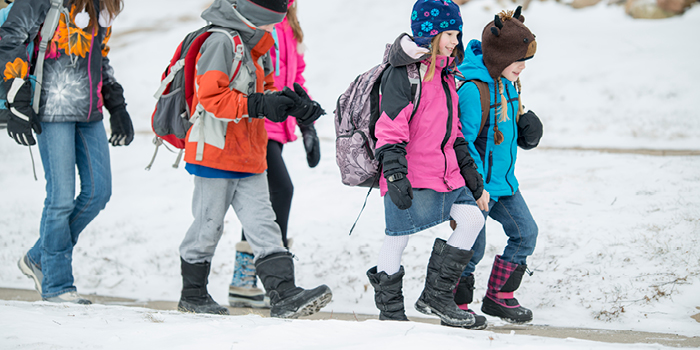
(294, 23)
(113, 7)
(434, 50)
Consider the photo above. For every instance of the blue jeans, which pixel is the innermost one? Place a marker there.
(63, 146)
(519, 226)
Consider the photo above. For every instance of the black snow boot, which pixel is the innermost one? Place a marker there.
(388, 295)
(194, 296)
(499, 301)
(444, 268)
(276, 271)
(464, 295)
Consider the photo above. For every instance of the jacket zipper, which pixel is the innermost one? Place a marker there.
(512, 157)
(448, 97)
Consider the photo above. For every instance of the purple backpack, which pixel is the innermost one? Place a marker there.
(356, 113)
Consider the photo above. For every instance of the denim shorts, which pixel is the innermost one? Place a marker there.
(429, 208)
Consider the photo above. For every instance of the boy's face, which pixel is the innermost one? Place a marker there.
(513, 71)
(268, 27)
(448, 41)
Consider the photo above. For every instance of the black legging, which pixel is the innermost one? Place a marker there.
(281, 187)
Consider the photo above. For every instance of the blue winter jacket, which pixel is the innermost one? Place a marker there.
(496, 163)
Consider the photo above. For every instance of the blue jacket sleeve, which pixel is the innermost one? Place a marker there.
(470, 117)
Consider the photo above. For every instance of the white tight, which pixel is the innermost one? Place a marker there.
(469, 220)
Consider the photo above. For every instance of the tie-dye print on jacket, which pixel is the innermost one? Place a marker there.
(76, 65)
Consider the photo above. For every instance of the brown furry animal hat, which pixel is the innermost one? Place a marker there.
(506, 40)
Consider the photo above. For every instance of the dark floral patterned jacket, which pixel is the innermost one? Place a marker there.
(78, 79)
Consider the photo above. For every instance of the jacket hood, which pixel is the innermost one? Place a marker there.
(473, 65)
(222, 13)
(405, 51)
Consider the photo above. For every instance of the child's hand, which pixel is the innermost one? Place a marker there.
(274, 106)
(529, 130)
(305, 110)
(483, 201)
(400, 190)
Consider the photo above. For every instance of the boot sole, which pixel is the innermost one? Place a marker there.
(496, 312)
(27, 271)
(311, 307)
(427, 310)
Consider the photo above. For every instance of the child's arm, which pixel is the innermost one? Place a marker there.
(213, 76)
(470, 117)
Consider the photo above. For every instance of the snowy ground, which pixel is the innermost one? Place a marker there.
(619, 234)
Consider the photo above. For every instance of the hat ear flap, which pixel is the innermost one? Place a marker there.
(497, 21)
(495, 31)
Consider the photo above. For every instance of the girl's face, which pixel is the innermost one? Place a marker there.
(513, 71)
(448, 42)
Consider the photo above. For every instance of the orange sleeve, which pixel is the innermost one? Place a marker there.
(215, 95)
(270, 82)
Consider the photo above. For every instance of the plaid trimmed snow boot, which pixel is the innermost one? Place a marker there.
(387, 294)
(243, 290)
(195, 297)
(276, 272)
(464, 294)
(499, 301)
(444, 268)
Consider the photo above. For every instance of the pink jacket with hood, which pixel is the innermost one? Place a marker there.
(430, 135)
(291, 67)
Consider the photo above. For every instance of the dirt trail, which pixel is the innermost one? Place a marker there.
(608, 336)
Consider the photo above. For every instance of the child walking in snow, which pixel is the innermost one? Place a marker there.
(429, 175)
(288, 60)
(67, 116)
(498, 60)
(230, 168)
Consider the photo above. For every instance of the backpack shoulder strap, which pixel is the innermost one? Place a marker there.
(484, 97)
(238, 49)
(416, 85)
(47, 31)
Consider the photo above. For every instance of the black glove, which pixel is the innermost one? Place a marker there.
(529, 130)
(395, 169)
(468, 168)
(305, 110)
(22, 118)
(274, 106)
(311, 145)
(122, 129)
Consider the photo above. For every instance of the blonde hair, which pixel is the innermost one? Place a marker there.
(294, 23)
(502, 110)
(434, 50)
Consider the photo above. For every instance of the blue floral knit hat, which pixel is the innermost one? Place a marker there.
(432, 17)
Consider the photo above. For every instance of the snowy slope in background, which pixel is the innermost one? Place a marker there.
(618, 245)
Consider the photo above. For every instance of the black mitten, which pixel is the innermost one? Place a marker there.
(122, 128)
(468, 168)
(274, 106)
(395, 169)
(529, 130)
(305, 110)
(311, 144)
(22, 119)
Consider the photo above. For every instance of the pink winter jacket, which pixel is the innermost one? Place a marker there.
(291, 67)
(430, 164)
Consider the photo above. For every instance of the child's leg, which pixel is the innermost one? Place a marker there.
(518, 224)
(251, 201)
(390, 254)
(210, 202)
(281, 187)
(469, 221)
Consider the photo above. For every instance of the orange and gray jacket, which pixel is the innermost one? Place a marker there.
(231, 141)
(78, 79)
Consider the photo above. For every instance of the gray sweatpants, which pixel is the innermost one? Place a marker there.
(250, 199)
